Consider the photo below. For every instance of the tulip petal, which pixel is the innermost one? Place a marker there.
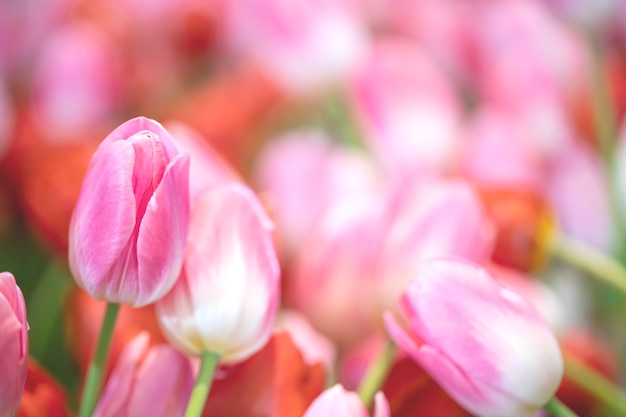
(381, 406)
(164, 371)
(10, 385)
(104, 217)
(116, 394)
(163, 233)
(143, 124)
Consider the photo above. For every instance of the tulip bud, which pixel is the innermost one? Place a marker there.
(129, 227)
(226, 297)
(484, 344)
(154, 381)
(13, 344)
(337, 402)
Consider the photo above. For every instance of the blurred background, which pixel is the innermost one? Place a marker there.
(335, 112)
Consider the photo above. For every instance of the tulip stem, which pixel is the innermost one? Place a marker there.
(557, 409)
(595, 384)
(203, 384)
(591, 260)
(377, 373)
(97, 366)
(604, 118)
(341, 121)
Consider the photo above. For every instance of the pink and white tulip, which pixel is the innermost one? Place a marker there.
(227, 295)
(129, 227)
(484, 344)
(153, 381)
(13, 344)
(337, 402)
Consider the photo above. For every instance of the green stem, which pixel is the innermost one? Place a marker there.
(605, 125)
(377, 373)
(341, 121)
(203, 384)
(557, 409)
(98, 362)
(595, 384)
(591, 260)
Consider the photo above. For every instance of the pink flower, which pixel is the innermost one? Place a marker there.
(129, 227)
(408, 109)
(303, 44)
(226, 298)
(13, 344)
(484, 344)
(337, 402)
(421, 221)
(303, 173)
(578, 191)
(147, 381)
(80, 91)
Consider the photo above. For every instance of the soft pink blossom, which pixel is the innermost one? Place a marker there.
(79, 90)
(13, 344)
(227, 295)
(129, 227)
(409, 111)
(484, 344)
(579, 194)
(337, 402)
(425, 220)
(329, 272)
(303, 172)
(154, 381)
(303, 44)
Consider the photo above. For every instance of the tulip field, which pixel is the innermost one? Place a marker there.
(313, 208)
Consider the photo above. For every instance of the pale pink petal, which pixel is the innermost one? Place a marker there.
(336, 402)
(116, 395)
(163, 384)
(381, 406)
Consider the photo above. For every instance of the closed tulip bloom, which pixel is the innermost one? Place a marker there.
(226, 298)
(147, 381)
(337, 402)
(13, 345)
(129, 227)
(483, 344)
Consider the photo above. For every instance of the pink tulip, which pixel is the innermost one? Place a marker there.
(337, 402)
(13, 344)
(484, 344)
(303, 44)
(129, 228)
(421, 221)
(577, 187)
(303, 172)
(147, 381)
(408, 109)
(226, 298)
(361, 254)
(78, 91)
